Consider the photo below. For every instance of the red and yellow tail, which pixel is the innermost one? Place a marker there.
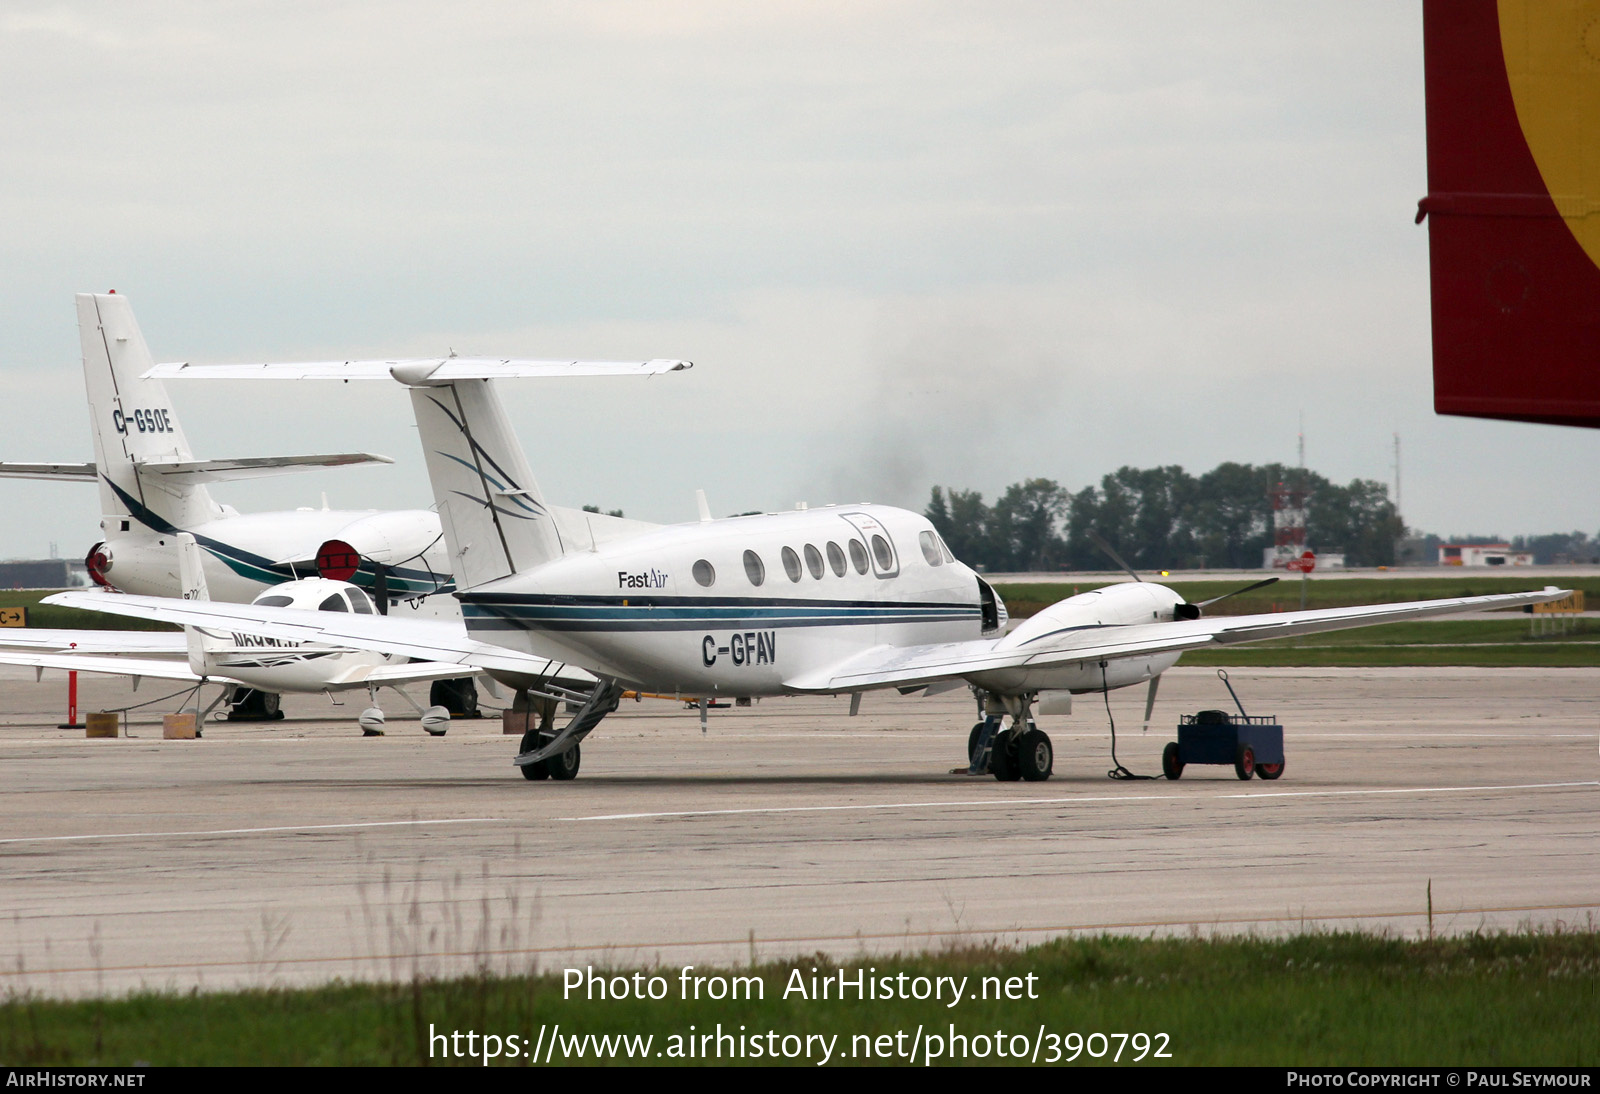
(1513, 207)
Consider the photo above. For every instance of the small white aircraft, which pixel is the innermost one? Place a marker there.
(842, 599)
(152, 489)
(239, 658)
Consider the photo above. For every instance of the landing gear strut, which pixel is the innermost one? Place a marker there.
(1020, 751)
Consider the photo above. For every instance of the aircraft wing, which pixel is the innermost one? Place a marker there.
(890, 666)
(422, 639)
(412, 672)
(47, 640)
(72, 472)
(252, 467)
(436, 369)
(111, 666)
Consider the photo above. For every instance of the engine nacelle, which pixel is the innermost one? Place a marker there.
(390, 538)
(98, 563)
(1123, 605)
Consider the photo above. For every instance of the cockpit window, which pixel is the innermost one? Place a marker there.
(276, 600)
(360, 602)
(948, 557)
(930, 549)
(334, 603)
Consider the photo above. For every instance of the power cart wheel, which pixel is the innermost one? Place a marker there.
(1269, 771)
(1244, 761)
(1171, 766)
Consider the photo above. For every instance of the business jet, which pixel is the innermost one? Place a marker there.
(835, 600)
(241, 659)
(153, 489)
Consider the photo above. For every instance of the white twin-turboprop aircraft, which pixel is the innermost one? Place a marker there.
(842, 599)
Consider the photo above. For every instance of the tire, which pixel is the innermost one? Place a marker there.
(1244, 761)
(972, 742)
(1269, 771)
(1035, 756)
(1171, 766)
(1003, 763)
(535, 772)
(564, 765)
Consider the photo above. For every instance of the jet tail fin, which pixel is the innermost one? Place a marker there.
(1513, 208)
(134, 422)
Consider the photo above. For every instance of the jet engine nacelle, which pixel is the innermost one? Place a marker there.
(98, 563)
(392, 538)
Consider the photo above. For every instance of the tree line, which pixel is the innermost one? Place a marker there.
(1163, 518)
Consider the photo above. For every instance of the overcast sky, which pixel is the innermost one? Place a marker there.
(905, 244)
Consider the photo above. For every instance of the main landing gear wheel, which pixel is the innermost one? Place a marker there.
(1244, 761)
(1003, 760)
(1035, 757)
(533, 772)
(564, 765)
(1269, 771)
(972, 742)
(1171, 766)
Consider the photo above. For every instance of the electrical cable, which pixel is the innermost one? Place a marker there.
(1117, 771)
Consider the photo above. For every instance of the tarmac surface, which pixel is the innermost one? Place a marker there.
(299, 852)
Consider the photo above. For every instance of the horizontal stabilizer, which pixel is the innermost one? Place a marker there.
(254, 467)
(417, 371)
(72, 472)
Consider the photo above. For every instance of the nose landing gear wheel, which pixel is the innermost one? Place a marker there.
(1244, 762)
(1035, 756)
(1171, 766)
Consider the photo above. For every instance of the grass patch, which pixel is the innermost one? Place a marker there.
(50, 616)
(1329, 999)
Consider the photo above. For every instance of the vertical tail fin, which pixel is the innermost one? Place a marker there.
(133, 422)
(192, 586)
(495, 519)
(1513, 207)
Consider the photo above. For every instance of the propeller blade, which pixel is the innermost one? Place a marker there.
(1236, 592)
(1150, 701)
(1100, 541)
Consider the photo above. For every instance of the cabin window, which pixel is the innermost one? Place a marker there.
(883, 553)
(276, 600)
(754, 568)
(858, 556)
(814, 561)
(930, 549)
(704, 574)
(360, 602)
(334, 603)
(836, 558)
(791, 564)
